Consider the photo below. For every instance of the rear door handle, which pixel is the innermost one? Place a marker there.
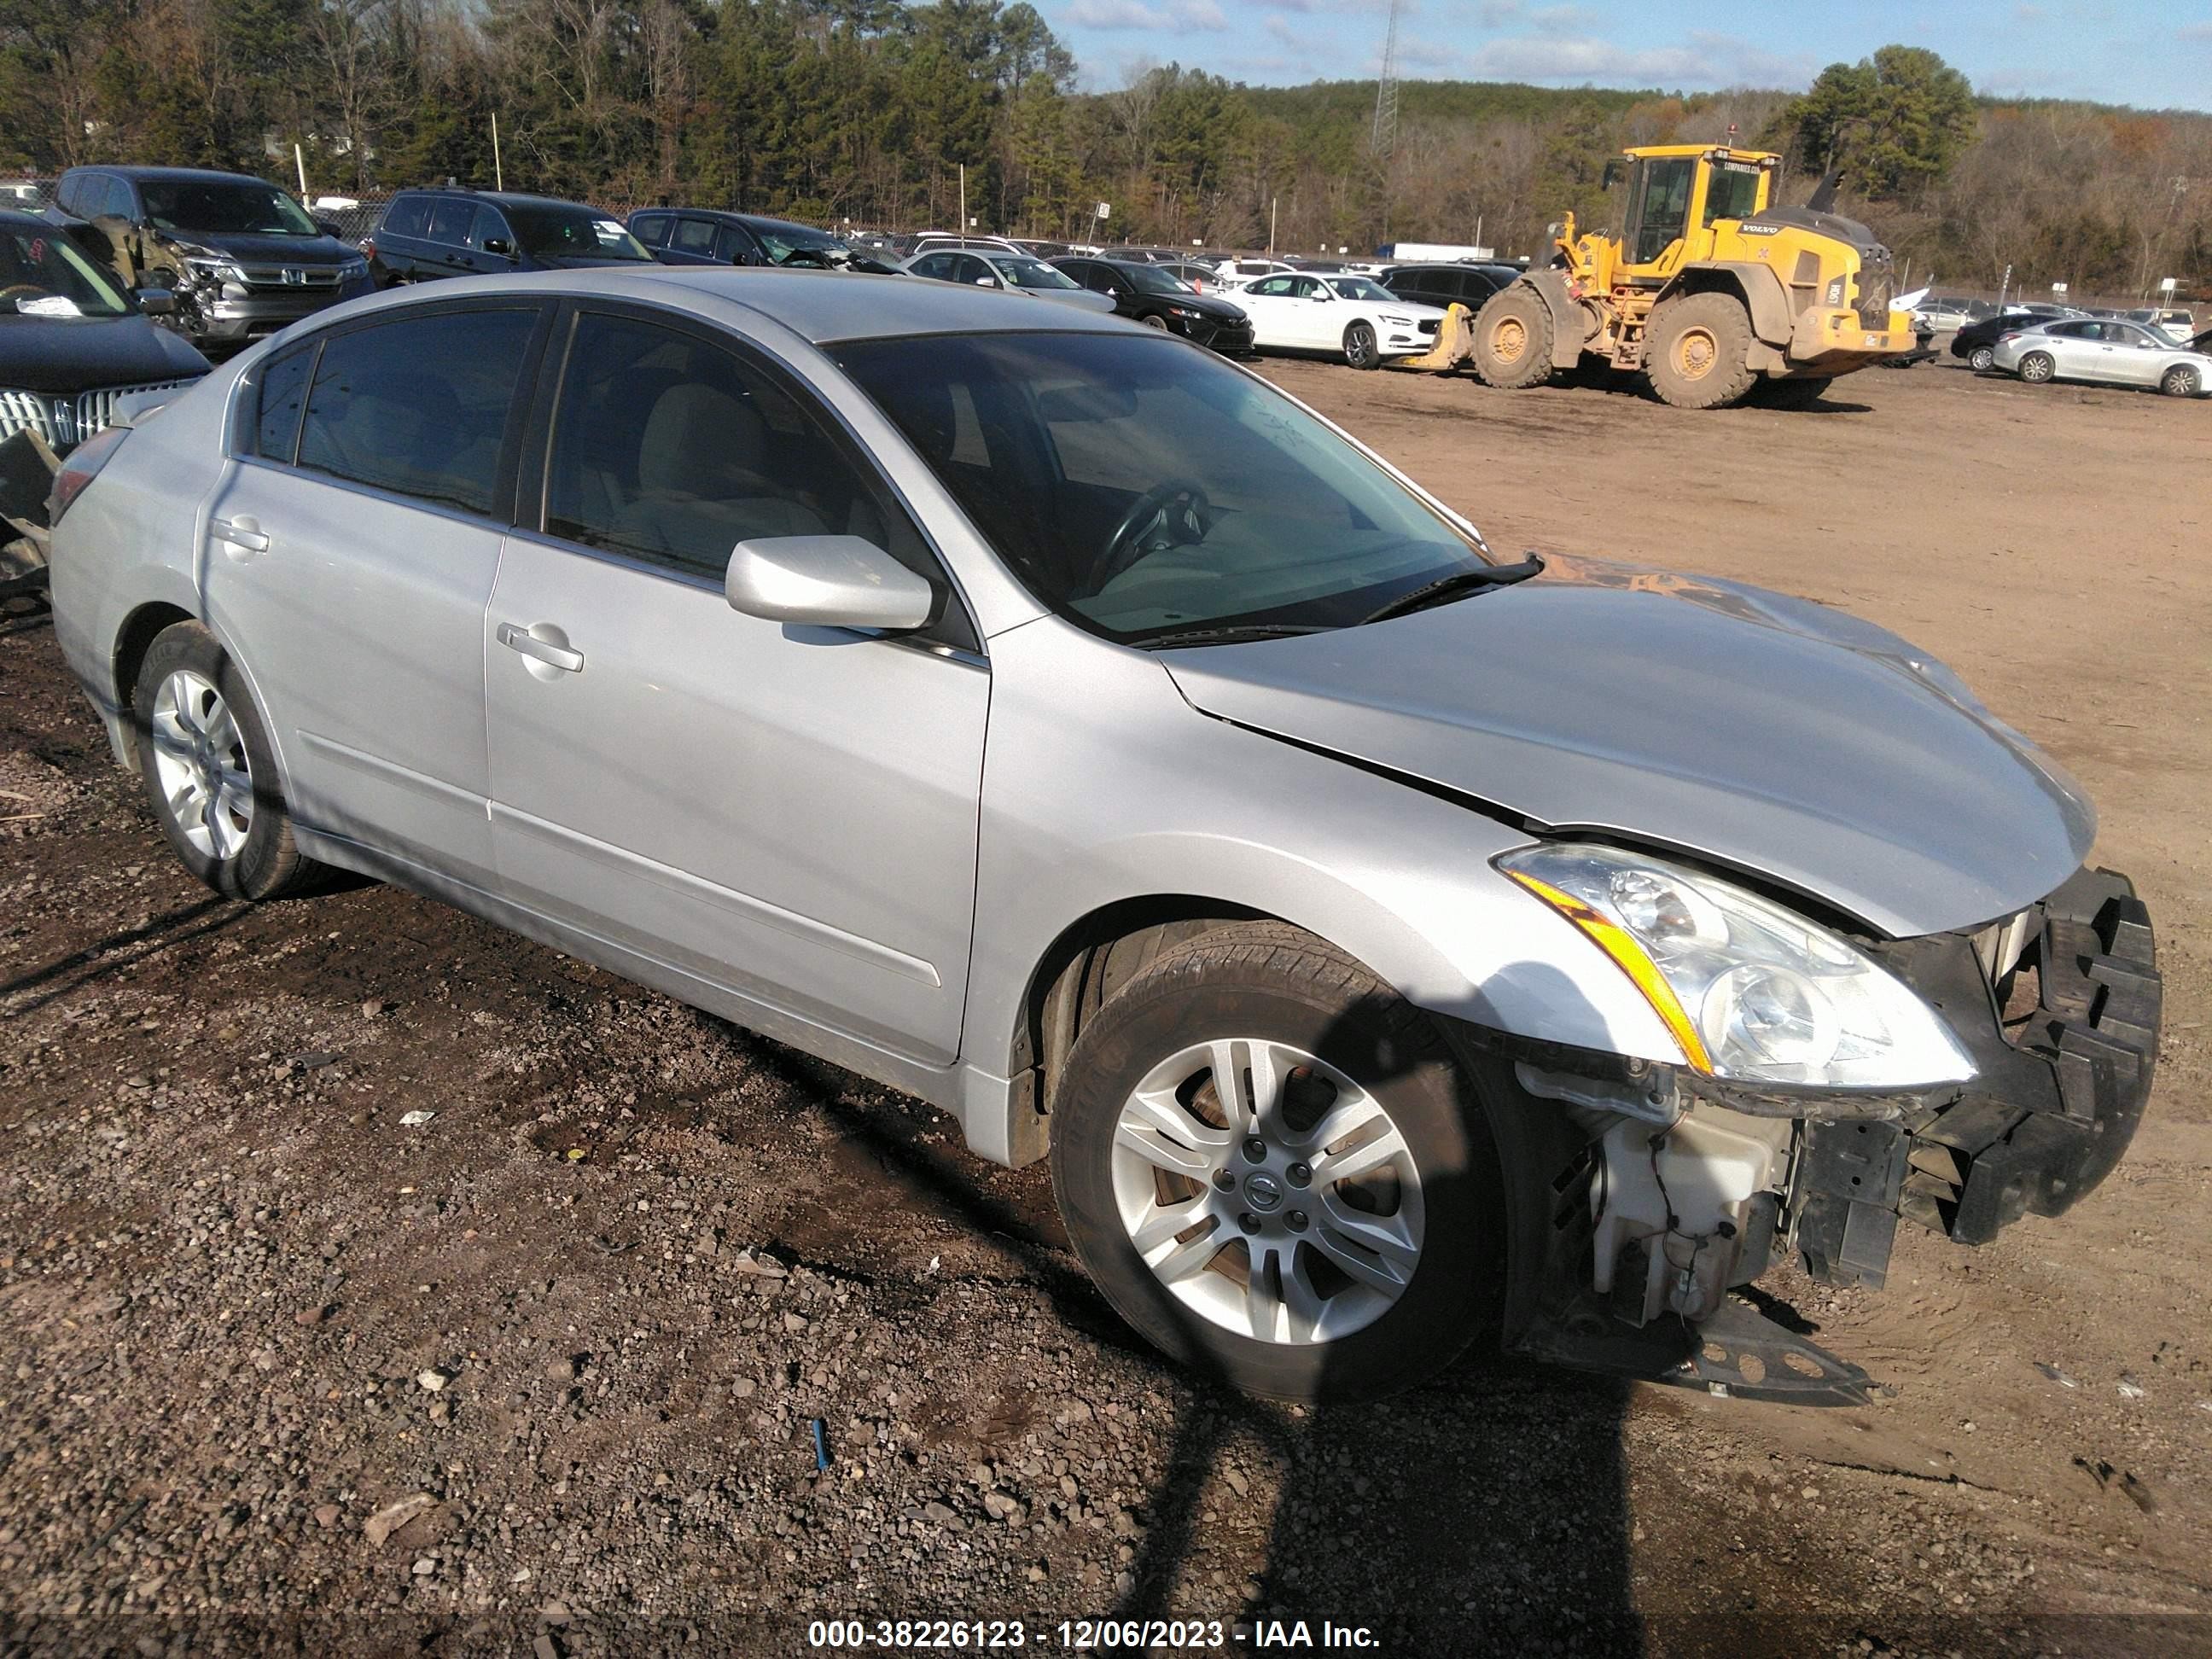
(241, 532)
(516, 638)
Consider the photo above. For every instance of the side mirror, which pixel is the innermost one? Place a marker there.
(1611, 176)
(155, 302)
(330, 227)
(826, 581)
(987, 282)
(499, 245)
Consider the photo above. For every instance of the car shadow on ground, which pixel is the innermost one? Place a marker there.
(1487, 1512)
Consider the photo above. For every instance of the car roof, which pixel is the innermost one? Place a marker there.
(731, 217)
(822, 307)
(153, 175)
(496, 198)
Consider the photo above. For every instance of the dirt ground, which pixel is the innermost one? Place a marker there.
(280, 1372)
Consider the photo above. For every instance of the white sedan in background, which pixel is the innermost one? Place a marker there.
(1354, 318)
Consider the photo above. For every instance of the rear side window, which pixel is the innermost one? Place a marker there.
(419, 405)
(406, 217)
(650, 228)
(283, 393)
(450, 220)
(693, 236)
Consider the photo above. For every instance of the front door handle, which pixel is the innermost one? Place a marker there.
(516, 638)
(241, 532)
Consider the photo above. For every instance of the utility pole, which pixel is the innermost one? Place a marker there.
(1273, 202)
(301, 162)
(963, 226)
(1382, 139)
(498, 172)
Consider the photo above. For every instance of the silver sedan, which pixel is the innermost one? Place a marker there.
(1385, 942)
(2112, 352)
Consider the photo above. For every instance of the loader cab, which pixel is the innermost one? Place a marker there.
(1679, 191)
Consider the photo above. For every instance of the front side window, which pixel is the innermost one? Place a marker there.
(116, 201)
(450, 219)
(488, 227)
(223, 207)
(42, 275)
(419, 405)
(557, 230)
(732, 247)
(1031, 274)
(672, 450)
(693, 236)
(1142, 488)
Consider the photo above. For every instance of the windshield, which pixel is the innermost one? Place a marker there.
(1142, 488)
(1032, 273)
(42, 275)
(804, 247)
(1360, 287)
(222, 207)
(571, 233)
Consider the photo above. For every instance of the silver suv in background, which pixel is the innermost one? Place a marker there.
(1386, 943)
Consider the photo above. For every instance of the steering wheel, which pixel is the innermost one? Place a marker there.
(1123, 548)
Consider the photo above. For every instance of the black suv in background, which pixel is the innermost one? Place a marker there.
(1978, 342)
(1441, 285)
(1148, 295)
(710, 236)
(243, 257)
(427, 234)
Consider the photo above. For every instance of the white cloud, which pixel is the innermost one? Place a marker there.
(1176, 18)
(1703, 60)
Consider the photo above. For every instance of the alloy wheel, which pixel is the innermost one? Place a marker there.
(1269, 1192)
(201, 765)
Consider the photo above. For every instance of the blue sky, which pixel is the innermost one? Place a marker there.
(2151, 53)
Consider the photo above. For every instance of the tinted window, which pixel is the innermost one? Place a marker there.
(406, 217)
(693, 236)
(450, 219)
(67, 192)
(733, 245)
(117, 201)
(283, 393)
(650, 228)
(488, 227)
(221, 206)
(557, 230)
(671, 449)
(418, 406)
(939, 265)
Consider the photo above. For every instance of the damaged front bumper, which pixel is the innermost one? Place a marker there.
(1686, 1189)
(2059, 1007)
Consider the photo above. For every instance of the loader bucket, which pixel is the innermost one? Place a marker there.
(1454, 345)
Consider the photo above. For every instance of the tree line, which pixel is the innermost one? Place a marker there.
(891, 114)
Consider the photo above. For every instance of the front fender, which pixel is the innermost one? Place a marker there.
(1102, 785)
(1759, 286)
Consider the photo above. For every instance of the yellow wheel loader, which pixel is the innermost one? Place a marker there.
(1711, 292)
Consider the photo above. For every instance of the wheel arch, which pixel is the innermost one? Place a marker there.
(133, 639)
(1754, 286)
(1570, 327)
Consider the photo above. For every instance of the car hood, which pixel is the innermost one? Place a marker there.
(1081, 298)
(315, 251)
(1227, 310)
(78, 354)
(1754, 731)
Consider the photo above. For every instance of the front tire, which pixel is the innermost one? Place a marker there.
(1330, 1226)
(1159, 322)
(2180, 381)
(1513, 340)
(2036, 368)
(1360, 349)
(1697, 351)
(210, 772)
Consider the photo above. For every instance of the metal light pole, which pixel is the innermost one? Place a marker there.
(498, 172)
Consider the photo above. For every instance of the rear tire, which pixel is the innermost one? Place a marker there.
(1697, 351)
(1360, 349)
(210, 772)
(2180, 381)
(1513, 337)
(2037, 368)
(1981, 359)
(1152, 1164)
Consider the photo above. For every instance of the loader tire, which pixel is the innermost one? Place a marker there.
(1513, 338)
(1697, 352)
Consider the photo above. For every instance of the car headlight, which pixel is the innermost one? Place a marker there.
(1751, 992)
(352, 269)
(213, 268)
(1396, 321)
(1187, 312)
